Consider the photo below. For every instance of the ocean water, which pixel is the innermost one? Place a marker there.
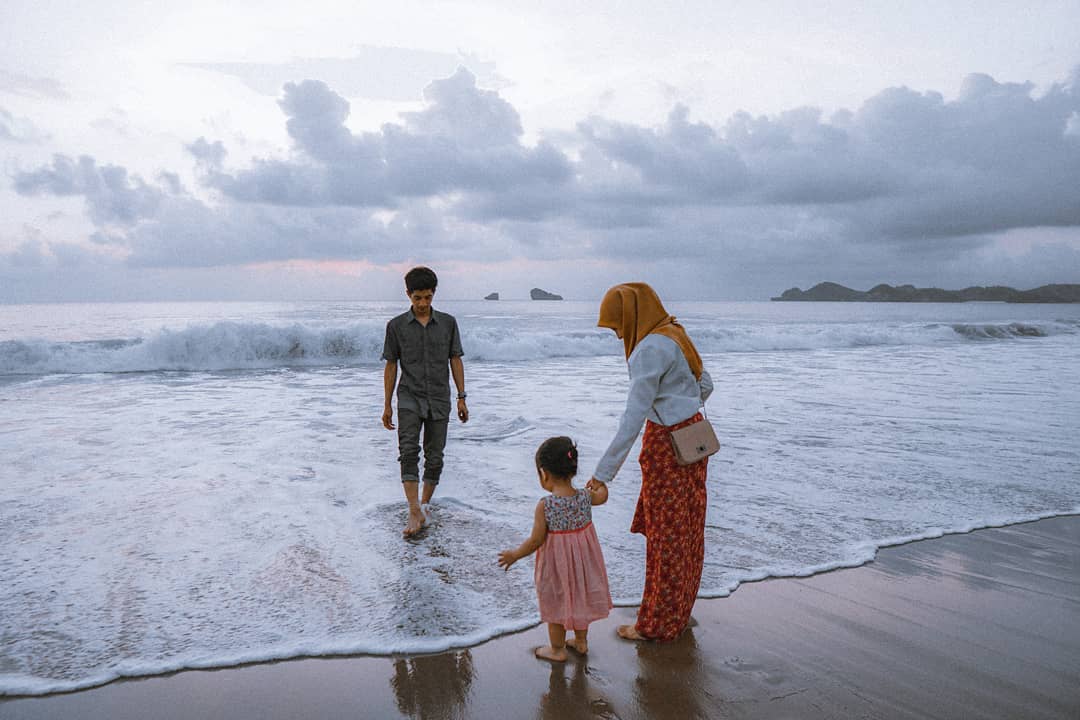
(199, 485)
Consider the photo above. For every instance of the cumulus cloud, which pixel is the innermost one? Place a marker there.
(460, 111)
(681, 161)
(209, 155)
(993, 159)
(904, 165)
(112, 194)
(163, 225)
(908, 179)
(466, 139)
(902, 168)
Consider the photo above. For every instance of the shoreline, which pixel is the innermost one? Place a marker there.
(966, 621)
(872, 548)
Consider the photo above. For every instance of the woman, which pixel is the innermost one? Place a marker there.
(668, 386)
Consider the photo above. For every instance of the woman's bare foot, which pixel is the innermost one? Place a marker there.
(629, 632)
(578, 645)
(416, 523)
(551, 654)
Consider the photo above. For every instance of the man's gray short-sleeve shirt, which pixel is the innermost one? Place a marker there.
(423, 354)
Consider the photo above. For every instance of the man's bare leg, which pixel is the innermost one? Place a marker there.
(425, 508)
(416, 515)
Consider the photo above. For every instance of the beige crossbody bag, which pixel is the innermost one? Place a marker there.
(693, 442)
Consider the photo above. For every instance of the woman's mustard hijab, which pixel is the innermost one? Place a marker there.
(634, 310)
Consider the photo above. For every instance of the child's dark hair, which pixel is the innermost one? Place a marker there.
(558, 455)
(420, 278)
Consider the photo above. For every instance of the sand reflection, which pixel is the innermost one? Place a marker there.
(567, 692)
(673, 682)
(434, 687)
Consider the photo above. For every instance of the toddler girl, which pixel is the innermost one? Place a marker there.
(571, 581)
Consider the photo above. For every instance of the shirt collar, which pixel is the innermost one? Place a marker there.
(432, 319)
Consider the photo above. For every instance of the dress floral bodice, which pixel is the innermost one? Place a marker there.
(571, 512)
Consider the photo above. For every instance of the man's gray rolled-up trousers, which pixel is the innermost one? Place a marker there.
(409, 426)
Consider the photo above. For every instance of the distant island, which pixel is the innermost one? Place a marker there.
(492, 296)
(832, 292)
(538, 294)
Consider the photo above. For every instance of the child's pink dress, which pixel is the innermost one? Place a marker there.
(571, 580)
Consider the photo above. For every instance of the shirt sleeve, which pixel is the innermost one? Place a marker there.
(706, 385)
(455, 341)
(391, 351)
(647, 366)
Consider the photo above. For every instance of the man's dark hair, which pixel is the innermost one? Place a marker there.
(420, 278)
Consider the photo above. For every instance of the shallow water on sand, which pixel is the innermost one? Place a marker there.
(191, 485)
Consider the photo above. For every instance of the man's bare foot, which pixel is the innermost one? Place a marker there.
(629, 632)
(416, 523)
(579, 646)
(551, 654)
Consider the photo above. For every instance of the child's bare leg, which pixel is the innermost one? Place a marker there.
(556, 651)
(581, 641)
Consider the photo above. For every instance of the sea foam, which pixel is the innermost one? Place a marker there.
(156, 521)
(231, 345)
(856, 555)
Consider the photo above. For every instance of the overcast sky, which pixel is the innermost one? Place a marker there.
(159, 150)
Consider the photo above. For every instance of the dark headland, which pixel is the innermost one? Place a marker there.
(832, 292)
(538, 294)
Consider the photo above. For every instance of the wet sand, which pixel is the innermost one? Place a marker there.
(983, 625)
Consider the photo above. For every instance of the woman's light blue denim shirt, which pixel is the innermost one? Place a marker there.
(662, 389)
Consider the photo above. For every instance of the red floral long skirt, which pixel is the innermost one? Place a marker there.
(671, 515)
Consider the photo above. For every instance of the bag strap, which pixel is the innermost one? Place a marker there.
(701, 408)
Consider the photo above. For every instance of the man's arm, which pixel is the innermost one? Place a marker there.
(391, 353)
(389, 382)
(457, 369)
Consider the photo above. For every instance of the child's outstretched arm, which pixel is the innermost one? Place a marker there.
(598, 493)
(535, 540)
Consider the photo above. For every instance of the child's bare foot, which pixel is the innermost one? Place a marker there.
(551, 654)
(578, 645)
(416, 523)
(629, 632)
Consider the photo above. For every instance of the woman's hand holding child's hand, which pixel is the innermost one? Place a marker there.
(507, 558)
(598, 490)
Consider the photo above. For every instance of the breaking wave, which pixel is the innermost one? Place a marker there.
(241, 346)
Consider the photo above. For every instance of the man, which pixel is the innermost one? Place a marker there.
(424, 342)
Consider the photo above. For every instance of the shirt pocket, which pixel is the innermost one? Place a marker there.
(440, 347)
